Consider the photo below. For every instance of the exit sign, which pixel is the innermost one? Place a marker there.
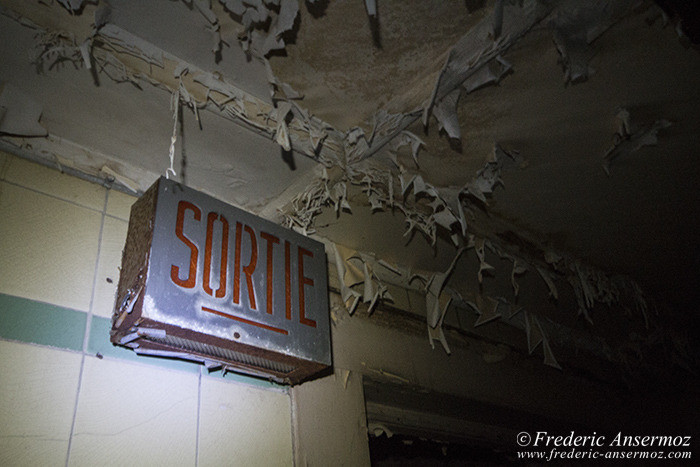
(205, 281)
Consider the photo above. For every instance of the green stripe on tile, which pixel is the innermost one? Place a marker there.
(99, 343)
(26, 320)
(41, 323)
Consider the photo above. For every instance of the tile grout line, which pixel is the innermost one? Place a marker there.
(51, 195)
(199, 414)
(112, 216)
(57, 197)
(75, 408)
(86, 335)
(294, 419)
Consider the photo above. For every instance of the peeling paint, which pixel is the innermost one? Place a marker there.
(350, 275)
(72, 5)
(489, 176)
(576, 25)
(115, 58)
(630, 138)
(479, 46)
(475, 62)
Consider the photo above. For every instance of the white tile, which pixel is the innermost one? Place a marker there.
(132, 414)
(48, 248)
(38, 389)
(241, 425)
(331, 423)
(113, 239)
(119, 204)
(55, 183)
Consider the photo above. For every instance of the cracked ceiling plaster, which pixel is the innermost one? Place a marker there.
(428, 94)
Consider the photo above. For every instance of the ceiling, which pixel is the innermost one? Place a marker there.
(563, 135)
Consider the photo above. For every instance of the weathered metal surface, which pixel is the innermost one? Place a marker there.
(216, 284)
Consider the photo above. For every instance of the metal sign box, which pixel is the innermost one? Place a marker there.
(205, 281)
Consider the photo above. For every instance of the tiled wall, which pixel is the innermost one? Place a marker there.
(67, 396)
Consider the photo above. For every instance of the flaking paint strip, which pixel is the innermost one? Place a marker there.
(479, 46)
(629, 138)
(576, 25)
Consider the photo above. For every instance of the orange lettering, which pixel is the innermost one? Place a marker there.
(304, 281)
(175, 270)
(287, 281)
(237, 266)
(271, 241)
(250, 269)
(221, 291)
